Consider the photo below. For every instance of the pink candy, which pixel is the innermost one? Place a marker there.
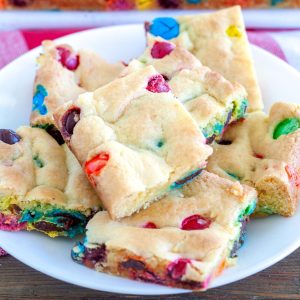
(157, 84)
(10, 223)
(178, 267)
(68, 59)
(161, 49)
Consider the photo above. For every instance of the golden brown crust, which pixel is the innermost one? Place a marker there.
(94, 71)
(204, 195)
(206, 94)
(132, 248)
(63, 85)
(129, 125)
(205, 247)
(261, 161)
(38, 169)
(219, 41)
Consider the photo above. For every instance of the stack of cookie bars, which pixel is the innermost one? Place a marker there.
(160, 161)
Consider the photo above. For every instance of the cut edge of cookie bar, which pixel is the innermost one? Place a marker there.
(219, 41)
(63, 74)
(284, 119)
(42, 185)
(269, 159)
(182, 241)
(212, 100)
(129, 156)
(277, 195)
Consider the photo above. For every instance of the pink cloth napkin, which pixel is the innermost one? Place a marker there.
(283, 44)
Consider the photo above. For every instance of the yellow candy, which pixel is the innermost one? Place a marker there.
(145, 4)
(233, 31)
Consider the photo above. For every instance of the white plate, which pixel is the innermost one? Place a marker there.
(269, 240)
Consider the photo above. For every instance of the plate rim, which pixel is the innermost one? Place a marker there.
(250, 271)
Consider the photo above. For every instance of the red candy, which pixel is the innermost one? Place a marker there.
(157, 84)
(177, 268)
(96, 164)
(195, 222)
(150, 225)
(161, 49)
(68, 59)
(120, 5)
(260, 156)
(293, 176)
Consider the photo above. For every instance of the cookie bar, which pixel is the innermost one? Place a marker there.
(142, 4)
(134, 139)
(63, 74)
(212, 100)
(54, 4)
(183, 240)
(263, 151)
(42, 185)
(219, 41)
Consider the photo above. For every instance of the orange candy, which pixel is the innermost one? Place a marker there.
(221, 268)
(96, 164)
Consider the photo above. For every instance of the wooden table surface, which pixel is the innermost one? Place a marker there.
(281, 281)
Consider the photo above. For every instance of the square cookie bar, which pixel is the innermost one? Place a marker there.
(134, 139)
(219, 41)
(264, 152)
(184, 240)
(63, 74)
(42, 185)
(212, 100)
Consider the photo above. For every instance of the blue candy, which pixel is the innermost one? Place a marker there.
(160, 143)
(78, 251)
(38, 100)
(30, 216)
(194, 1)
(167, 28)
(275, 2)
(55, 216)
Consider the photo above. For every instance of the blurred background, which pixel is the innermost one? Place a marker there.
(91, 13)
(271, 24)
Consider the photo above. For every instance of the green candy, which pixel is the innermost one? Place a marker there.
(250, 209)
(42, 126)
(247, 211)
(38, 162)
(285, 127)
(236, 177)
